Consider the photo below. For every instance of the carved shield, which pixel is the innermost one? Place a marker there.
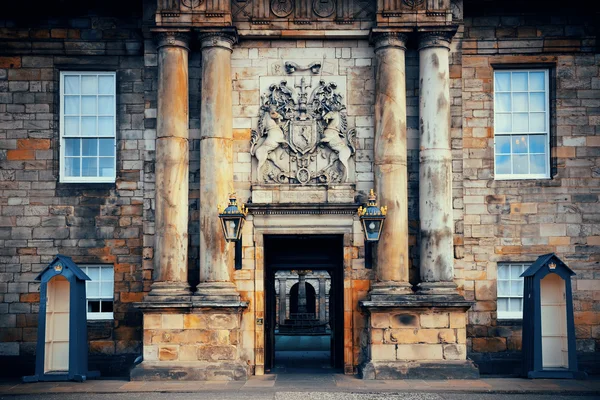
(303, 136)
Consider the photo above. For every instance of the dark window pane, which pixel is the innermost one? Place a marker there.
(93, 305)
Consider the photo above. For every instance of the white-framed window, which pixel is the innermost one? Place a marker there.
(99, 291)
(87, 126)
(510, 290)
(521, 124)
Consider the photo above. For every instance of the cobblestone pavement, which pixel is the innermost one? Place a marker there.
(309, 386)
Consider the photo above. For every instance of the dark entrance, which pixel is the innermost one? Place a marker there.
(304, 303)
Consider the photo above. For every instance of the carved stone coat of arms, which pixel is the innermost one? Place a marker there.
(302, 135)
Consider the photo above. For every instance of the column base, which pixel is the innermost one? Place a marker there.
(166, 291)
(387, 370)
(189, 371)
(217, 292)
(389, 291)
(437, 289)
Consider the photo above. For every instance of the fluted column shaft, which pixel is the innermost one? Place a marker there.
(172, 167)
(282, 300)
(390, 163)
(216, 165)
(435, 171)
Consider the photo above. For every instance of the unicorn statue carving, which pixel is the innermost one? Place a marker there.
(334, 138)
(272, 132)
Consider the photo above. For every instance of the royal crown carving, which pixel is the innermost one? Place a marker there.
(303, 136)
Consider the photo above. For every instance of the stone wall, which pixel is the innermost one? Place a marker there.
(518, 220)
(39, 217)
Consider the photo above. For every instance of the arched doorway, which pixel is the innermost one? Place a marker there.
(311, 299)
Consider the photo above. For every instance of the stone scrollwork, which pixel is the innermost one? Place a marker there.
(302, 136)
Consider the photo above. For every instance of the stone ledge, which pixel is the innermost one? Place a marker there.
(189, 371)
(418, 301)
(388, 370)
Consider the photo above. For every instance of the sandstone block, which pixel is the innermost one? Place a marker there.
(458, 320)
(489, 345)
(380, 352)
(485, 290)
(455, 351)
(172, 321)
(435, 320)
(215, 353)
(150, 352)
(222, 321)
(404, 320)
(168, 353)
(380, 320)
(188, 353)
(194, 321)
(421, 352)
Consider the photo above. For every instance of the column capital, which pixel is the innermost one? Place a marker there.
(174, 38)
(387, 38)
(434, 38)
(224, 38)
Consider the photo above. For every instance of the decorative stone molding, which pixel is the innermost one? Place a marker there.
(384, 39)
(435, 39)
(173, 39)
(221, 38)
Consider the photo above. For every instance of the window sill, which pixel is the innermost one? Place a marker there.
(509, 322)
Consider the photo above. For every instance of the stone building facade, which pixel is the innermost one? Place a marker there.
(300, 107)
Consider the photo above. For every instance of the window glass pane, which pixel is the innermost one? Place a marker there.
(502, 81)
(89, 147)
(503, 288)
(72, 167)
(71, 105)
(538, 164)
(107, 166)
(519, 144)
(71, 126)
(502, 144)
(106, 290)
(502, 304)
(537, 101)
(516, 288)
(106, 126)
(503, 164)
(520, 164)
(537, 80)
(503, 103)
(519, 81)
(515, 304)
(89, 84)
(106, 105)
(72, 147)
(503, 271)
(88, 105)
(106, 84)
(89, 166)
(107, 147)
(88, 126)
(537, 122)
(93, 306)
(71, 83)
(93, 273)
(107, 306)
(107, 274)
(520, 122)
(503, 123)
(537, 143)
(515, 271)
(93, 289)
(520, 102)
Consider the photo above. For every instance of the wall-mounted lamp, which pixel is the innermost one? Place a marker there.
(372, 218)
(232, 219)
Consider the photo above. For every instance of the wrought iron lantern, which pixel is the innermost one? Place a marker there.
(372, 218)
(232, 219)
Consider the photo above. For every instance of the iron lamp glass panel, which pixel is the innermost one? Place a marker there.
(372, 228)
(232, 227)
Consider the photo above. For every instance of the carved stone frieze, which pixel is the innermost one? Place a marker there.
(302, 136)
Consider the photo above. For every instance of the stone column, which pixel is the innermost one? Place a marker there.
(172, 167)
(302, 293)
(391, 184)
(322, 300)
(282, 302)
(216, 165)
(435, 170)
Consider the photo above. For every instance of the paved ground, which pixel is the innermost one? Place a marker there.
(307, 387)
(298, 396)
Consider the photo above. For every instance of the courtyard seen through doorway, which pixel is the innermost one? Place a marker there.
(303, 276)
